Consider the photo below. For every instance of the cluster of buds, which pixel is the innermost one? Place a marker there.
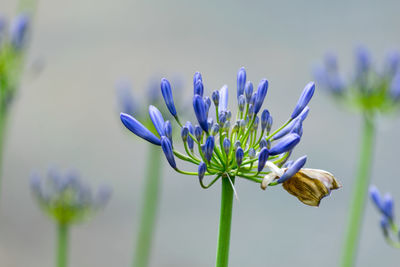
(368, 89)
(12, 44)
(243, 146)
(66, 198)
(385, 204)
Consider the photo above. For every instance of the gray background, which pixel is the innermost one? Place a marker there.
(67, 116)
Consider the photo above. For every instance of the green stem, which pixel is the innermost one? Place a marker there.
(359, 193)
(62, 249)
(149, 208)
(225, 221)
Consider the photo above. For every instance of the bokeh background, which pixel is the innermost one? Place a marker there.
(67, 116)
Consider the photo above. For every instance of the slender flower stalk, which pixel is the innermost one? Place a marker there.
(228, 151)
(67, 201)
(368, 91)
(384, 205)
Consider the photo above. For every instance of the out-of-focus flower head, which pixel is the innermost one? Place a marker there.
(368, 88)
(65, 198)
(224, 146)
(385, 206)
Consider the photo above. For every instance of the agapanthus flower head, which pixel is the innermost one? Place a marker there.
(385, 206)
(226, 148)
(368, 88)
(65, 198)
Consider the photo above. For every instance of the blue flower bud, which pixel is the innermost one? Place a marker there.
(167, 94)
(191, 131)
(288, 164)
(202, 170)
(157, 119)
(210, 122)
(253, 99)
(237, 144)
(241, 102)
(384, 223)
(285, 130)
(264, 119)
(198, 88)
(184, 133)
(293, 169)
(227, 145)
(200, 111)
(251, 111)
(375, 196)
(262, 158)
(303, 115)
(269, 124)
(239, 156)
(223, 98)
(215, 129)
(285, 144)
(169, 153)
(197, 133)
(387, 206)
(248, 91)
(260, 95)
(222, 118)
(263, 143)
(304, 99)
(255, 124)
(19, 30)
(252, 153)
(137, 128)
(363, 60)
(297, 128)
(395, 87)
(197, 77)
(228, 115)
(241, 81)
(209, 147)
(207, 102)
(168, 130)
(215, 97)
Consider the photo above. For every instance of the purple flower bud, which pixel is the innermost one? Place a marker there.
(168, 130)
(228, 115)
(222, 118)
(168, 152)
(248, 91)
(269, 124)
(264, 119)
(241, 102)
(260, 95)
(304, 99)
(255, 124)
(363, 60)
(387, 206)
(200, 111)
(251, 111)
(215, 129)
(375, 196)
(227, 145)
(197, 133)
(263, 143)
(215, 97)
(252, 153)
(297, 128)
(210, 122)
(303, 115)
(197, 77)
(167, 94)
(19, 30)
(198, 88)
(191, 131)
(137, 128)
(253, 99)
(157, 119)
(207, 102)
(239, 156)
(184, 133)
(288, 164)
(241, 81)
(237, 144)
(285, 130)
(209, 147)
(293, 169)
(262, 158)
(202, 170)
(285, 144)
(384, 223)
(395, 87)
(223, 98)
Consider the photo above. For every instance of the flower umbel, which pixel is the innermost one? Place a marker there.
(230, 147)
(66, 198)
(385, 204)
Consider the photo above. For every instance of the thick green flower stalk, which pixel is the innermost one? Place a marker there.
(152, 182)
(228, 149)
(368, 91)
(13, 39)
(384, 205)
(67, 201)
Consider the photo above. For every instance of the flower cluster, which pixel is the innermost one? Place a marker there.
(243, 146)
(368, 89)
(66, 198)
(385, 204)
(12, 44)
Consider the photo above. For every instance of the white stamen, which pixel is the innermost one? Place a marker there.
(233, 187)
(278, 171)
(267, 180)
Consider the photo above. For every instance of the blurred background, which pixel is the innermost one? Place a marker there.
(67, 116)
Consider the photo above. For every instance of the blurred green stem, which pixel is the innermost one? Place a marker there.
(225, 221)
(149, 207)
(62, 248)
(359, 195)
